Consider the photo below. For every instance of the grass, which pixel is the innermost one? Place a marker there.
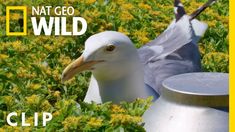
(30, 66)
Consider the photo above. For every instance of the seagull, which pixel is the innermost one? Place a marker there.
(120, 72)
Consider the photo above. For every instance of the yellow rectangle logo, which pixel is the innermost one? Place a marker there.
(8, 33)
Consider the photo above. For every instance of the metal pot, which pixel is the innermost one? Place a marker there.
(192, 102)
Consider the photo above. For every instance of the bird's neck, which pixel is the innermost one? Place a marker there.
(126, 88)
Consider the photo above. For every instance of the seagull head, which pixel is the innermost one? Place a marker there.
(109, 55)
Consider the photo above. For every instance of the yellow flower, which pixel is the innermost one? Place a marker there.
(2, 18)
(127, 6)
(124, 119)
(159, 26)
(31, 75)
(33, 100)
(17, 45)
(34, 86)
(49, 86)
(48, 47)
(155, 13)
(90, 1)
(216, 56)
(117, 109)
(108, 25)
(8, 128)
(29, 129)
(216, 61)
(57, 113)
(126, 16)
(120, 2)
(91, 13)
(57, 94)
(95, 122)
(46, 105)
(2, 130)
(30, 120)
(71, 123)
(64, 60)
(142, 36)
(56, 74)
(144, 6)
(212, 23)
(76, 12)
(101, 29)
(122, 30)
(64, 103)
(69, 2)
(22, 72)
(9, 100)
(48, 71)
(14, 16)
(3, 56)
(202, 49)
(16, 90)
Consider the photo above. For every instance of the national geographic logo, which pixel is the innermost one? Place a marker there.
(24, 9)
(44, 24)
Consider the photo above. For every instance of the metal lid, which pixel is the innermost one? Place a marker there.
(202, 88)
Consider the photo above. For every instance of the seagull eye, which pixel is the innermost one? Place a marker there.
(110, 48)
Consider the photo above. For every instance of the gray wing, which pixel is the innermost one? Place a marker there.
(175, 51)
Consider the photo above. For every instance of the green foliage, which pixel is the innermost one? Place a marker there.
(30, 66)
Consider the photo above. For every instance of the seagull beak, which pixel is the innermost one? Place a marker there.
(77, 66)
